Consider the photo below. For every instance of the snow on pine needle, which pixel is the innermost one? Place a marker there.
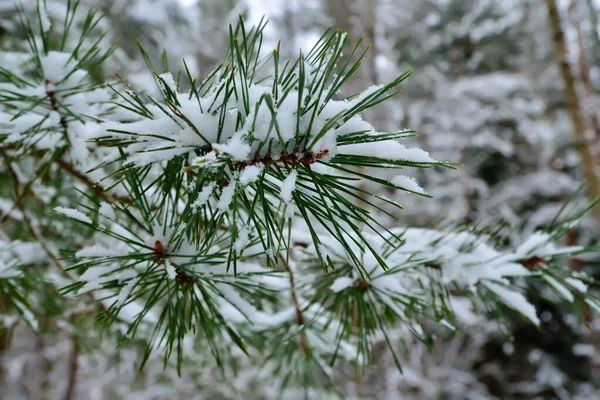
(263, 137)
(157, 270)
(428, 270)
(50, 101)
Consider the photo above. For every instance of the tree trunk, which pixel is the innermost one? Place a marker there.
(588, 86)
(575, 107)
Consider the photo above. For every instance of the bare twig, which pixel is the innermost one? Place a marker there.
(34, 231)
(90, 184)
(299, 317)
(73, 368)
(25, 190)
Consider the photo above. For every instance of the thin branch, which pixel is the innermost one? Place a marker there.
(73, 368)
(299, 317)
(54, 106)
(91, 185)
(32, 228)
(24, 192)
(40, 347)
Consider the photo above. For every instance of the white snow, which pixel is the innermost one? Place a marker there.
(407, 183)
(97, 251)
(577, 284)
(126, 291)
(107, 211)
(227, 196)
(593, 304)
(537, 242)
(288, 185)
(170, 269)
(204, 195)
(390, 150)
(168, 78)
(447, 324)
(7, 270)
(27, 252)
(29, 317)
(72, 213)
(206, 160)
(43, 14)
(462, 260)
(7, 207)
(515, 300)
(560, 288)
(243, 237)
(56, 65)
(93, 278)
(250, 174)
(236, 147)
(341, 283)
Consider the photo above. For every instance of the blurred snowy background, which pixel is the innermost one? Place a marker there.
(487, 92)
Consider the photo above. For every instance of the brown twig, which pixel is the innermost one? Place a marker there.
(54, 106)
(21, 195)
(91, 185)
(35, 232)
(73, 368)
(80, 176)
(299, 316)
(293, 158)
(46, 364)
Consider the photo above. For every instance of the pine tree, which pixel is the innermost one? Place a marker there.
(222, 226)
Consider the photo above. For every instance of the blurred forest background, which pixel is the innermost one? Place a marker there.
(505, 87)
